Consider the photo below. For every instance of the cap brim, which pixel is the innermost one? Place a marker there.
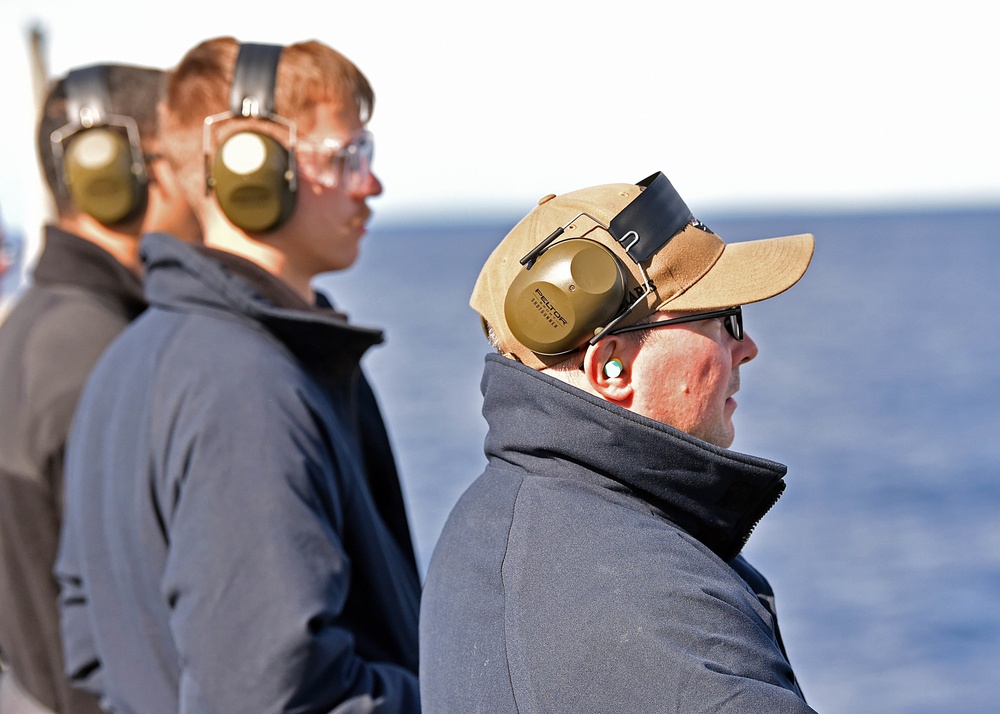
(748, 272)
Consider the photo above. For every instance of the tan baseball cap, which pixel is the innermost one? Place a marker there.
(689, 268)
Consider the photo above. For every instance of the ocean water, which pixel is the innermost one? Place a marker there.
(877, 383)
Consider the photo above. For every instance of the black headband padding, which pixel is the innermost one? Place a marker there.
(254, 78)
(87, 89)
(656, 215)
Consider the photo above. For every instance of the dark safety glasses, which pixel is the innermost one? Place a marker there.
(733, 320)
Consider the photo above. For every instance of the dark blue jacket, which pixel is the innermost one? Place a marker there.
(594, 567)
(235, 537)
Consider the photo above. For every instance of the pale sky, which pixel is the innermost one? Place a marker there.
(485, 107)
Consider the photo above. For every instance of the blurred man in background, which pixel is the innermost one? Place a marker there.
(98, 146)
(228, 462)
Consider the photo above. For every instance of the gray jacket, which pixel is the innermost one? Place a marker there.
(80, 299)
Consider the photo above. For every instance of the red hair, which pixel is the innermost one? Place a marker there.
(309, 73)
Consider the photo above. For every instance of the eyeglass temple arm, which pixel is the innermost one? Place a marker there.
(680, 320)
(602, 331)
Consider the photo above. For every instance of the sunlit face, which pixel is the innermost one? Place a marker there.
(328, 221)
(686, 375)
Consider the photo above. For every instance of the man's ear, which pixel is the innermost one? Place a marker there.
(607, 369)
(163, 179)
(169, 210)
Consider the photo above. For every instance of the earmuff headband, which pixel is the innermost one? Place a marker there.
(87, 96)
(252, 93)
(655, 216)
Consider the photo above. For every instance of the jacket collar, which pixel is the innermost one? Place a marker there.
(69, 259)
(194, 279)
(549, 428)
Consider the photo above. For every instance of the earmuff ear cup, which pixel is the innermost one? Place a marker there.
(572, 289)
(251, 178)
(100, 178)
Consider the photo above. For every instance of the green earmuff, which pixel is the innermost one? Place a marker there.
(250, 178)
(572, 289)
(253, 174)
(98, 154)
(99, 177)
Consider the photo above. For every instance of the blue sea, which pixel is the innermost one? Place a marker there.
(877, 383)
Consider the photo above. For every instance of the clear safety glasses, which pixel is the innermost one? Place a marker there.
(334, 163)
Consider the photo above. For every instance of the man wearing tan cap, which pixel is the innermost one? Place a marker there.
(595, 566)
